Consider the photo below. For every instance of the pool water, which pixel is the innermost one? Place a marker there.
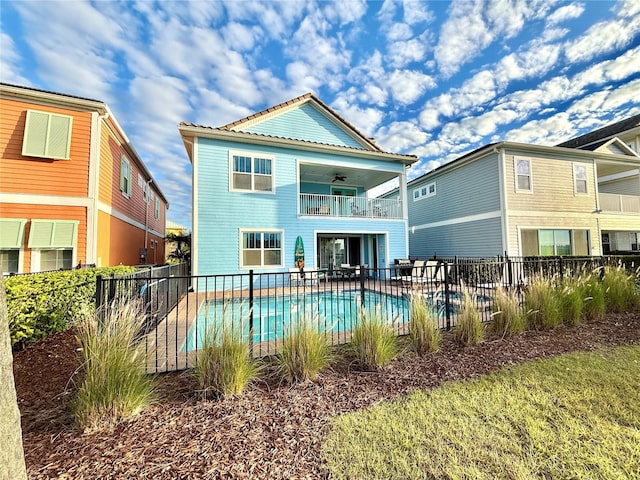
(335, 311)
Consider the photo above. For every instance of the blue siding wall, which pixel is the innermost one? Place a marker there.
(221, 213)
(482, 238)
(305, 123)
(471, 189)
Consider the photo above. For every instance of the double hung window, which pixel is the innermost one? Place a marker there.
(523, 175)
(261, 249)
(125, 176)
(253, 173)
(580, 178)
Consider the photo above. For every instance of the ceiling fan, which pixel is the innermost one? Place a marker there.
(339, 178)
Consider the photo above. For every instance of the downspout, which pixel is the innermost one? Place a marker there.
(405, 208)
(504, 219)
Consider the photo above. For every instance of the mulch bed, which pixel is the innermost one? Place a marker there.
(271, 432)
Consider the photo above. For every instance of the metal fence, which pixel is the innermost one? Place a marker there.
(182, 310)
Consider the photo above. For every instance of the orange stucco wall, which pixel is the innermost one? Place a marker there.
(120, 242)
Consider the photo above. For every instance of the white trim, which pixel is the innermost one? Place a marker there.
(502, 185)
(194, 208)
(548, 214)
(575, 178)
(347, 164)
(458, 220)
(103, 207)
(54, 200)
(516, 159)
(35, 257)
(403, 196)
(242, 231)
(94, 188)
(619, 176)
(252, 156)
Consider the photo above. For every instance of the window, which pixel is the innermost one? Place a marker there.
(56, 259)
(580, 178)
(523, 174)
(548, 242)
(9, 261)
(47, 135)
(156, 209)
(125, 176)
(252, 173)
(260, 249)
(428, 190)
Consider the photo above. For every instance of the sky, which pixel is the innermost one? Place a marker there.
(434, 79)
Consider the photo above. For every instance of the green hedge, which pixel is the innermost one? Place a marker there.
(46, 303)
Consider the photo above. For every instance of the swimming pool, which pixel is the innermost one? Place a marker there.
(336, 311)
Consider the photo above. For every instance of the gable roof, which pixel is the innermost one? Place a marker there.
(603, 133)
(613, 145)
(241, 130)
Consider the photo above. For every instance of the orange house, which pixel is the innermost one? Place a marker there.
(73, 190)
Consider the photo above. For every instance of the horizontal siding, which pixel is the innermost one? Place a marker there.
(471, 189)
(624, 186)
(553, 188)
(619, 221)
(221, 214)
(111, 150)
(482, 238)
(49, 212)
(21, 174)
(305, 123)
(557, 221)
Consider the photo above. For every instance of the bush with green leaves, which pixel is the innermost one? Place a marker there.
(373, 341)
(46, 303)
(305, 349)
(423, 325)
(468, 329)
(224, 366)
(114, 382)
(619, 289)
(542, 303)
(507, 317)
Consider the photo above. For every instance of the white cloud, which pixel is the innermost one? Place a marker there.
(346, 11)
(399, 31)
(401, 53)
(566, 12)
(366, 120)
(240, 36)
(401, 137)
(407, 86)
(10, 61)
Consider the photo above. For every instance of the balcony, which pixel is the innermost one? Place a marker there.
(610, 202)
(350, 207)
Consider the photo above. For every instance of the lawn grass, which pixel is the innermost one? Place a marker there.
(573, 416)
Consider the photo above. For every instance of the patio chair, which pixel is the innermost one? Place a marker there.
(295, 277)
(324, 210)
(416, 274)
(435, 273)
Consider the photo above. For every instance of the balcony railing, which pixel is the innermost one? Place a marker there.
(352, 207)
(610, 202)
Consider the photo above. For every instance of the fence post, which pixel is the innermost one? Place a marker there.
(561, 268)
(446, 295)
(99, 297)
(251, 312)
(362, 274)
(112, 288)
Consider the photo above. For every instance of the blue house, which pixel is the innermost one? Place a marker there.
(295, 169)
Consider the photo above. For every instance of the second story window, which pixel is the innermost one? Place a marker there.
(125, 176)
(156, 209)
(580, 178)
(428, 190)
(523, 175)
(253, 173)
(47, 135)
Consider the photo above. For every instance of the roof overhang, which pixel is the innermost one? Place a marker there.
(190, 132)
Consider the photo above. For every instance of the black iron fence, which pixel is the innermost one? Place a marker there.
(182, 310)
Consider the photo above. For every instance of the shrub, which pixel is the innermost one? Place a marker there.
(423, 329)
(373, 341)
(46, 303)
(114, 384)
(305, 350)
(224, 366)
(507, 318)
(594, 306)
(572, 299)
(620, 289)
(542, 304)
(469, 329)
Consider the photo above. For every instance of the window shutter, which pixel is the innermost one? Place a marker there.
(59, 136)
(40, 234)
(11, 232)
(129, 187)
(34, 143)
(52, 234)
(122, 173)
